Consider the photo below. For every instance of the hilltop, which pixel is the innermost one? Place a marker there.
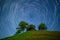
(35, 35)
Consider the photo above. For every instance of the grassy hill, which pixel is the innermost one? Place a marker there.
(36, 35)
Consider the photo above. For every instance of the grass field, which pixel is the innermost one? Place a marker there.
(35, 35)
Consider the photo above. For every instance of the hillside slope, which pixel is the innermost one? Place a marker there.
(36, 35)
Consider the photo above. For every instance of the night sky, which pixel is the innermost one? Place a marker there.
(31, 11)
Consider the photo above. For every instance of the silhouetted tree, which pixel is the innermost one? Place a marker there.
(42, 27)
(22, 25)
(30, 27)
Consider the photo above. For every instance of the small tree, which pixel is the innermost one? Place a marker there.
(42, 27)
(30, 27)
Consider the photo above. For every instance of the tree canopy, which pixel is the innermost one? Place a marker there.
(21, 27)
(30, 27)
(42, 26)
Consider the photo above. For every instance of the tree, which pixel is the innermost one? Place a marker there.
(42, 26)
(30, 27)
(21, 27)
